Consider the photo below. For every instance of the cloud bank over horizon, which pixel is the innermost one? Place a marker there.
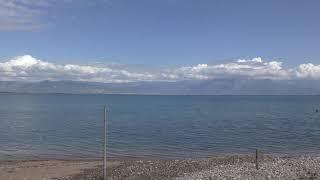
(28, 68)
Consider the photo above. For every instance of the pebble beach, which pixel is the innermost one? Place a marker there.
(219, 167)
(226, 167)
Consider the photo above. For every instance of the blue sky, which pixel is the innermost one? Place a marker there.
(166, 32)
(138, 40)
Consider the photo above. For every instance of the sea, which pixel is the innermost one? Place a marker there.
(69, 126)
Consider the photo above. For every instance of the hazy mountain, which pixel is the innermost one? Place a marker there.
(213, 87)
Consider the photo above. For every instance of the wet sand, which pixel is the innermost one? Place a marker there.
(43, 169)
(219, 167)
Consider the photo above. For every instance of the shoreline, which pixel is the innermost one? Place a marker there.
(217, 167)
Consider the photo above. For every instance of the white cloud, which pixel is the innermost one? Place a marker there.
(254, 68)
(25, 14)
(20, 14)
(255, 60)
(308, 71)
(28, 68)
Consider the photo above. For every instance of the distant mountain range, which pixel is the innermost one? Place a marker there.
(205, 87)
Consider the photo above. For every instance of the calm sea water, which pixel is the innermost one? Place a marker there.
(71, 126)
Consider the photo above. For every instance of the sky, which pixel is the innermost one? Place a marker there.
(163, 40)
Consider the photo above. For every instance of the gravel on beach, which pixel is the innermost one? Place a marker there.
(220, 167)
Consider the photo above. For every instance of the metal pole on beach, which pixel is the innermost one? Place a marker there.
(105, 145)
(256, 159)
